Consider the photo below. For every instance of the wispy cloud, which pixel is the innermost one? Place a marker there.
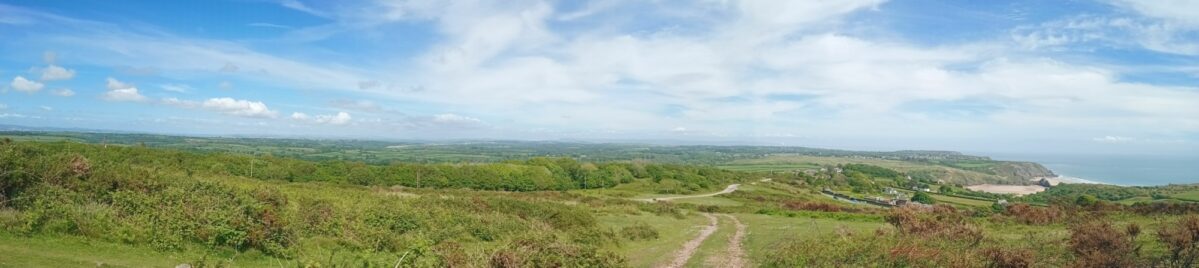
(121, 91)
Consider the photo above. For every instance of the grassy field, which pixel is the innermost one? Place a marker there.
(1187, 195)
(962, 201)
(69, 251)
(672, 233)
(767, 231)
(770, 167)
(954, 174)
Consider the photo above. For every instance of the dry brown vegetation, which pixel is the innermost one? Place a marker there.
(1101, 244)
(1182, 242)
(1026, 214)
(939, 221)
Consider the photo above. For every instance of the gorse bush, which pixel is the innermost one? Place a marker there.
(939, 221)
(1009, 257)
(1182, 242)
(175, 201)
(639, 231)
(1101, 244)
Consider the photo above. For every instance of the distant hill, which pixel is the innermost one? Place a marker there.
(949, 166)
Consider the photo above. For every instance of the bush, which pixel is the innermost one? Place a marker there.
(639, 231)
(923, 198)
(942, 221)
(1027, 214)
(1182, 241)
(547, 251)
(1100, 244)
(1009, 258)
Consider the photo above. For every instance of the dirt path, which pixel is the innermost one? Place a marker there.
(734, 255)
(729, 189)
(684, 254)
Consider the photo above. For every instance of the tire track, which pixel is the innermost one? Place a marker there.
(684, 254)
(734, 255)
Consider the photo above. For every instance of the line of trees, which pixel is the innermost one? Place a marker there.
(535, 174)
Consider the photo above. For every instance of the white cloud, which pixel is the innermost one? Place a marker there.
(55, 72)
(3, 106)
(1180, 11)
(341, 118)
(121, 91)
(1088, 33)
(178, 88)
(179, 103)
(46, 108)
(1114, 139)
(19, 83)
(454, 119)
(225, 85)
(64, 92)
(299, 116)
(237, 107)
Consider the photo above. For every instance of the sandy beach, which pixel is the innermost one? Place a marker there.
(1007, 189)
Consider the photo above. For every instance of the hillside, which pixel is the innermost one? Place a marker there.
(964, 172)
(951, 167)
(75, 204)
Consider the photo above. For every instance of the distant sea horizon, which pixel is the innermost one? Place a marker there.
(1125, 170)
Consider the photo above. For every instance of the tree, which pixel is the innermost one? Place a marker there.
(1086, 200)
(945, 189)
(923, 198)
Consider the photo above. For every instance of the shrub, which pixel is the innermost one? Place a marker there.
(1100, 244)
(942, 221)
(547, 251)
(923, 198)
(1182, 241)
(1009, 257)
(639, 231)
(1027, 214)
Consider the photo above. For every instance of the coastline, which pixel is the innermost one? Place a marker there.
(1020, 190)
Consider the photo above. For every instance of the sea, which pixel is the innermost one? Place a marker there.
(1126, 170)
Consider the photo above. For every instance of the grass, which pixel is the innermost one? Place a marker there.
(953, 200)
(709, 201)
(770, 167)
(1187, 195)
(715, 245)
(764, 232)
(70, 251)
(962, 201)
(672, 233)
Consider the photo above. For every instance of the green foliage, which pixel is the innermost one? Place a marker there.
(872, 170)
(923, 198)
(176, 201)
(1070, 193)
(639, 231)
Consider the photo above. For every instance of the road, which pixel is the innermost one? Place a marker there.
(731, 188)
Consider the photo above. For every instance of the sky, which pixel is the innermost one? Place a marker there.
(1104, 76)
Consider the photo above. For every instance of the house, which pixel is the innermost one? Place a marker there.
(1001, 202)
(890, 191)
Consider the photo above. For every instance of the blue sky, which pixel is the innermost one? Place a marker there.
(1115, 76)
